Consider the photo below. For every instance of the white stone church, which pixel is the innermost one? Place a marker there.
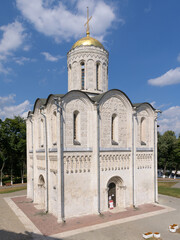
(90, 145)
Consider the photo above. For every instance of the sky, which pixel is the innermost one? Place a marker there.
(142, 37)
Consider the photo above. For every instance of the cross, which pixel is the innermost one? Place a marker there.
(87, 23)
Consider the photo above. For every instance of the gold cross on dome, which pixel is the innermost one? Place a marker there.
(87, 23)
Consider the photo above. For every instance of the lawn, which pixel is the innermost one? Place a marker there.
(166, 188)
(12, 189)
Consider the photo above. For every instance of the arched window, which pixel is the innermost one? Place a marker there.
(76, 127)
(82, 75)
(97, 75)
(143, 131)
(114, 129)
(54, 128)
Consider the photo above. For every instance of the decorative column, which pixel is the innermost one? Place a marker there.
(95, 166)
(155, 162)
(134, 139)
(60, 162)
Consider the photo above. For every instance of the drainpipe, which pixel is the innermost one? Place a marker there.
(32, 154)
(133, 159)
(61, 169)
(46, 158)
(98, 161)
(155, 158)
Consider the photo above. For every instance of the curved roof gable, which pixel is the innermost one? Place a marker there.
(101, 96)
(138, 105)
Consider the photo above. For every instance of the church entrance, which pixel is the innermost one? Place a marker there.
(116, 192)
(112, 193)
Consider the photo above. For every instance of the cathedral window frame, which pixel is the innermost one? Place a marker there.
(114, 129)
(143, 131)
(76, 128)
(82, 64)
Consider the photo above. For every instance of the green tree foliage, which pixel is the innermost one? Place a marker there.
(13, 146)
(177, 156)
(168, 151)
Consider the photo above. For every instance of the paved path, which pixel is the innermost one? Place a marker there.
(177, 185)
(133, 230)
(12, 228)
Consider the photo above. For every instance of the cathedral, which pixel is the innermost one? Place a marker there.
(90, 146)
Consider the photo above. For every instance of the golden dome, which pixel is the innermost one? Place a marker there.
(87, 41)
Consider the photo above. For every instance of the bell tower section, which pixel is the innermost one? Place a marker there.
(87, 63)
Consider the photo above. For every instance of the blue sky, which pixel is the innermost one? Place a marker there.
(142, 37)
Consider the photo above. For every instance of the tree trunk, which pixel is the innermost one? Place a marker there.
(164, 170)
(1, 173)
(176, 169)
(22, 173)
(22, 176)
(11, 176)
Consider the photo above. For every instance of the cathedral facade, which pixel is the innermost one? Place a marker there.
(90, 145)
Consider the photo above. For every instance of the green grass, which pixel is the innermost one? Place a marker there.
(166, 188)
(10, 190)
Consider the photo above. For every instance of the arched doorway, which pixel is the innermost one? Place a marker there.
(41, 191)
(116, 191)
(112, 192)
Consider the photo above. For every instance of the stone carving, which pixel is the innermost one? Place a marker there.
(144, 160)
(77, 163)
(114, 162)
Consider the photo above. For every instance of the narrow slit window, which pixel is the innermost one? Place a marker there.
(114, 130)
(82, 75)
(76, 127)
(97, 76)
(41, 133)
(143, 131)
(54, 129)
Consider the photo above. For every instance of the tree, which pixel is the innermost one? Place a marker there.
(177, 156)
(13, 140)
(166, 147)
(2, 164)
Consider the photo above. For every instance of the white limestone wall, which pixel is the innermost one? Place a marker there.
(73, 104)
(144, 177)
(145, 112)
(77, 186)
(90, 55)
(115, 104)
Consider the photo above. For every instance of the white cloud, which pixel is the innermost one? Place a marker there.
(12, 38)
(22, 60)
(7, 99)
(170, 120)
(3, 69)
(51, 58)
(169, 78)
(8, 109)
(59, 22)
